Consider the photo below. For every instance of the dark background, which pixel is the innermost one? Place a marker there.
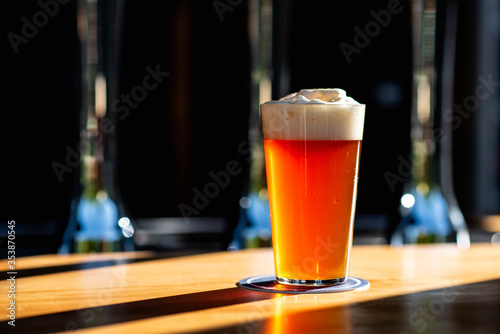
(193, 122)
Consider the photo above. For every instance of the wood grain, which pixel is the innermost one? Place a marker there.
(197, 294)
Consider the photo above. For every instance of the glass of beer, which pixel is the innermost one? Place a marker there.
(312, 143)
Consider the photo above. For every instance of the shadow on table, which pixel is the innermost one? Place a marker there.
(138, 310)
(457, 309)
(471, 308)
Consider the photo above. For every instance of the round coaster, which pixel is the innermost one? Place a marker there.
(268, 283)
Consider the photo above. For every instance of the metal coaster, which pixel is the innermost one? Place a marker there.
(268, 283)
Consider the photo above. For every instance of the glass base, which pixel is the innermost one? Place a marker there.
(269, 283)
(316, 282)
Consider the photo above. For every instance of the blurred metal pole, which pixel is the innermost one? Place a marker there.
(98, 222)
(429, 210)
(445, 95)
(254, 225)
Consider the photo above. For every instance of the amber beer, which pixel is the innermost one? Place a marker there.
(312, 157)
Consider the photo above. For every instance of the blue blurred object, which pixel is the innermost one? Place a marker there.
(98, 219)
(429, 210)
(97, 222)
(254, 226)
(424, 218)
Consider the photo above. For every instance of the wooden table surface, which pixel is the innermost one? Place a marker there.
(416, 289)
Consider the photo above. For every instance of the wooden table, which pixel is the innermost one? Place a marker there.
(417, 289)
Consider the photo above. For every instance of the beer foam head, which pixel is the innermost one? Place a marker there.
(314, 114)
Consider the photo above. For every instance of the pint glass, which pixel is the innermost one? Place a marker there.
(312, 151)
